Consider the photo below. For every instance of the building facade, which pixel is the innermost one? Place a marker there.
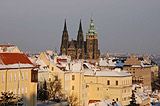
(141, 68)
(80, 49)
(19, 75)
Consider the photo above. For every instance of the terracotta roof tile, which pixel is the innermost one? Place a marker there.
(7, 45)
(14, 58)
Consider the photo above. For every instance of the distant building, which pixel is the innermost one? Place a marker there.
(9, 48)
(142, 69)
(80, 49)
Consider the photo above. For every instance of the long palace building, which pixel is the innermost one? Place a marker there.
(80, 49)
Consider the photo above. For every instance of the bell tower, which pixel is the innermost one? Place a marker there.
(92, 42)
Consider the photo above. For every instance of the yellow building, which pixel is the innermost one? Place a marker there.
(115, 85)
(14, 68)
(59, 69)
(86, 84)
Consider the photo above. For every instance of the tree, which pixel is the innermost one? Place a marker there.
(10, 99)
(73, 100)
(45, 91)
(55, 90)
(42, 93)
(133, 100)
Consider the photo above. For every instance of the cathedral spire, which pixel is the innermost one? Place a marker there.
(80, 26)
(65, 26)
(91, 30)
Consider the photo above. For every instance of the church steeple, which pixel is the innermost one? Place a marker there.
(80, 26)
(91, 30)
(65, 26)
(64, 43)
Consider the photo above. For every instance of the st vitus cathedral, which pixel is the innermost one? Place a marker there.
(80, 49)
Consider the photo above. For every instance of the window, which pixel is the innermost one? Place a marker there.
(56, 78)
(73, 77)
(116, 99)
(49, 79)
(14, 76)
(3, 77)
(26, 75)
(14, 91)
(22, 75)
(19, 91)
(108, 82)
(97, 88)
(116, 82)
(133, 71)
(52, 68)
(26, 90)
(10, 90)
(22, 90)
(10, 77)
(72, 87)
(18, 75)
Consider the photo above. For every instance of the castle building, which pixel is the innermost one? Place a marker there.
(80, 49)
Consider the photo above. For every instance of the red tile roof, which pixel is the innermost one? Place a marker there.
(14, 58)
(7, 45)
(93, 101)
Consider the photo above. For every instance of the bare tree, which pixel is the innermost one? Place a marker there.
(55, 90)
(73, 99)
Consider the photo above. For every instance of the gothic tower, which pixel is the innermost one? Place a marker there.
(92, 43)
(64, 42)
(80, 43)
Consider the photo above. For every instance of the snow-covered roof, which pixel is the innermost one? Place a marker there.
(108, 73)
(111, 62)
(15, 60)
(43, 66)
(134, 86)
(107, 102)
(143, 95)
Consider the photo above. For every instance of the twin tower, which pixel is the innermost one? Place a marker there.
(80, 49)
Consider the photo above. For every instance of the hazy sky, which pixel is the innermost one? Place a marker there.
(131, 26)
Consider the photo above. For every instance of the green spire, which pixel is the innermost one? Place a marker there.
(91, 30)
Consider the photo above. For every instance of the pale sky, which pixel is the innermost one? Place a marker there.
(130, 26)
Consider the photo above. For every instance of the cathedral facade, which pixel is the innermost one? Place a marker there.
(80, 49)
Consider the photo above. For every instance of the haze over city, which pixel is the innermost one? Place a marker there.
(123, 26)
